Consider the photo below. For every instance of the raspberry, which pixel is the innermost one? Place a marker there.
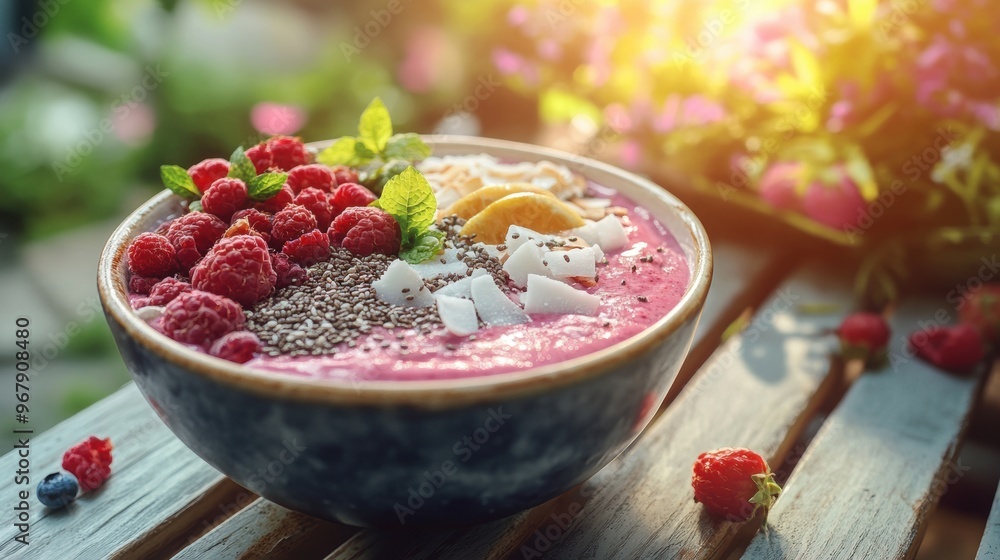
(981, 309)
(237, 347)
(282, 198)
(89, 461)
(289, 272)
(779, 183)
(349, 195)
(193, 235)
(238, 268)
(200, 318)
(224, 197)
(152, 255)
(287, 152)
(314, 175)
(291, 222)
(316, 202)
(734, 483)
(956, 349)
(366, 230)
(57, 490)
(207, 172)
(242, 227)
(864, 335)
(141, 285)
(344, 174)
(260, 155)
(308, 249)
(837, 205)
(259, 221)
(167, 290)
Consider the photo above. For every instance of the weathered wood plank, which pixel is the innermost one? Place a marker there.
(132, 505)
(767, 380)
(266, 530)
(875, 471)
(989, 547)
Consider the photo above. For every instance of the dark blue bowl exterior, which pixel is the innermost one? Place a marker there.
(388, 466)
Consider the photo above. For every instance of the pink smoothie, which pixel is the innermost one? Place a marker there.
(547, 339)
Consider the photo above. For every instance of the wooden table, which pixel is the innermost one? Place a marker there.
(860, 481)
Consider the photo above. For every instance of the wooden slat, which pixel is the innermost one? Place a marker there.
(989, 547)
(154, 478)
(743, 276)
(766, 380)
(875, 471)
(266, 530)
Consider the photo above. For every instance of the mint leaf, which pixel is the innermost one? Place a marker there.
(176, 179)
(375, 126)
(341, 152)
(410, 199)
(240, 166)
(195, 206)
(407, 146)
(425, 247)
(266, 185)
(362, 154)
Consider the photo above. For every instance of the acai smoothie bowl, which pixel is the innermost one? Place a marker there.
(394, 330)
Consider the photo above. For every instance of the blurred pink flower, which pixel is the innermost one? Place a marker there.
(955, 80)
(630, 153)
(837, 205)
(618, 118)
(518, 15)
(549, 49)
(694, 110)
(423, 66)
(778, 186)
(136, 125)
(506, 61)
(274, 118)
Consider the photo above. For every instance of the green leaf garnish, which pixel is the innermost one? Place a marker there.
(375, 144)
(407, 146)
(266, 185)
(425, 247)
(410, 199)
(341, 152)
(176, 179)
(375, 126)
(240, 166)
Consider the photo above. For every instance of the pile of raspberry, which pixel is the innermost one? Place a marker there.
(203, 268)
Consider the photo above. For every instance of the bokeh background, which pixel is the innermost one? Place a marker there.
(863, 127)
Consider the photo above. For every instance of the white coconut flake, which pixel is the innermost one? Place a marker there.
(457, 314)
(575, 262)
(461, 288)
(517, 236)
(401, 285)
(527, 259)
(495, 308)
(545, 295)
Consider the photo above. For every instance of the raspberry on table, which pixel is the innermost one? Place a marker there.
(192, 235)
(316, 202)
(349, 195)
(957, 348)
(288, 271)
(282, 198)
(288, 152)
(238, 347)
(308, 249)
(224, 197)
(89, 461)
(152, 255)
(260, 156)
(291, 222)
(734, 483)
(206, 172)
(315, 175)
(141, 285)
(201, 318)
(238, 268)
(57, 490)
(344, 174)
(365, 230)
(167, 290)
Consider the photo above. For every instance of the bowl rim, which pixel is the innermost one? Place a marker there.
(435, 393)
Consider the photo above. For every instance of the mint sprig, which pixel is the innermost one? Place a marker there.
(266, 185)
(240, 166)
(409, 198)
(375, 144)
(176, 179)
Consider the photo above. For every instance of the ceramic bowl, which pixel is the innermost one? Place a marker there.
(437, 452)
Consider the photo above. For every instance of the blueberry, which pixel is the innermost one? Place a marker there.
(57, 490)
